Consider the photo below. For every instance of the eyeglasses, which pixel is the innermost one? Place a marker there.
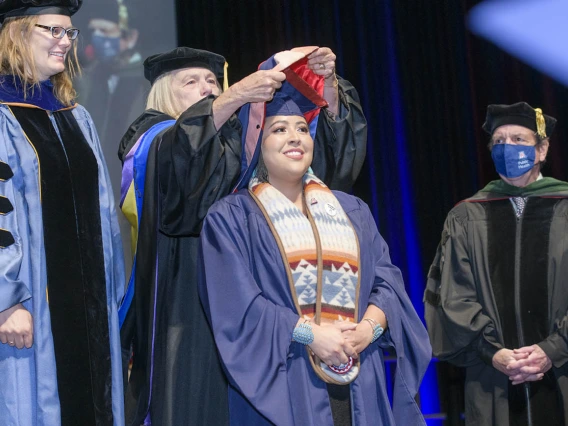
(59, 32)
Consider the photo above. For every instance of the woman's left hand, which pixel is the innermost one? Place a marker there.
(361, 337)
(322, 62)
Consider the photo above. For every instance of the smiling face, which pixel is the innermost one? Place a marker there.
(49, 53)
(190, 85)
(287, 148)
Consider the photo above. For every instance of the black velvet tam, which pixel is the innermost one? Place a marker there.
(16, 8)
(521, 114)
(183, 57)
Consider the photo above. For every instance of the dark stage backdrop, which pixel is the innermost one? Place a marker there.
(425, 82)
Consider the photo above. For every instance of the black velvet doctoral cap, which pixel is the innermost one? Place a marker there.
(17, 8)
(183, 57)
(521, 114)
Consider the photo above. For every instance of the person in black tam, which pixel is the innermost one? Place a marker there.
(496, 299)
(61, 264)
(180, 156)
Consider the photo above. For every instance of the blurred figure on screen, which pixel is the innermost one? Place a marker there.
(113, 87)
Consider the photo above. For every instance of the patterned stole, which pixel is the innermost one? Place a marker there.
(321, 252)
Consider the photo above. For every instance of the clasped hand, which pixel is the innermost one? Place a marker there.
(527, 364)
(335, 343)
(16, 327)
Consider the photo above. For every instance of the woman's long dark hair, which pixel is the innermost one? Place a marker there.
(261, 170)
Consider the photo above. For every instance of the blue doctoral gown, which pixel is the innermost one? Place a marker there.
(246, 295)
(28, 381)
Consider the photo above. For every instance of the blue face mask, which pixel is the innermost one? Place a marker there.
(513, 161)
(106, 48)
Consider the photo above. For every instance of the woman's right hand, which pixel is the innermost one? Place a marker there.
(330, 344)
(17, 327)
(259, 86)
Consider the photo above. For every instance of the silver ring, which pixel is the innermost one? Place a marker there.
(322, 66)
(10, 343)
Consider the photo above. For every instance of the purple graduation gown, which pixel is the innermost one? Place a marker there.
(246, 295)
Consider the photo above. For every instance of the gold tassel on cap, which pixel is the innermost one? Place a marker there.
(540, 123)
(225, 76)
(122, 15)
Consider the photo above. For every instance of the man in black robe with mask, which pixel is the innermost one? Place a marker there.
(496, 299)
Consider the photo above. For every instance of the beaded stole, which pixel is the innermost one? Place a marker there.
(321, 253)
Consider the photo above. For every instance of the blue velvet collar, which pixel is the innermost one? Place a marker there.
(11, 91)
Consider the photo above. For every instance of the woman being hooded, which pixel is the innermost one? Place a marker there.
(182, 155)
(301, 294)
(61, 267)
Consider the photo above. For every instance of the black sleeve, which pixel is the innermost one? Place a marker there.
(341, 142)
(555, 346)
(460, 331)
(197, 165)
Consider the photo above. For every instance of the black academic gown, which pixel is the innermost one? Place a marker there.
(191, 166)
(500, 282)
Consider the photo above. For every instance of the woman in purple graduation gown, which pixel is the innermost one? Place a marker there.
(301, 295)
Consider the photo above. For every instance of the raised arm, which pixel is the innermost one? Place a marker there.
(341, 140)
(197, 165)
(200, 156)
(257, 87)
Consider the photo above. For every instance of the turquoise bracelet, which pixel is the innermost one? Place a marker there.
(303, 334)
(378, 329)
